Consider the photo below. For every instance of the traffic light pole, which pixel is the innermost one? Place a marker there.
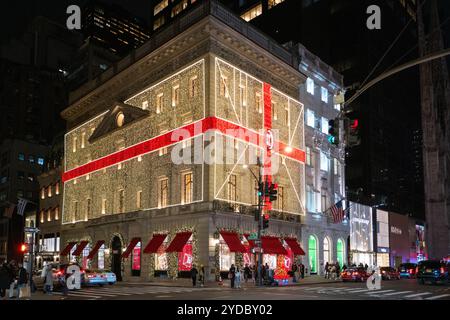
(260, 222)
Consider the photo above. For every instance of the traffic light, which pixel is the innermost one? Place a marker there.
(23, 248)
(266, 221)
(256, 213)
(271, 191)
(352, 130)
(333, 131)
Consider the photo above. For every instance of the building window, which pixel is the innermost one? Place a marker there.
(242, 93)
(324, 125)
(163, 192)
(310, 120)
(49, 191)
(40, 161)
(273, 3)
(258, 101)
(49, 215)
(193, 87)
(188, 188)
(324, 95)
(75, 209)
(336, 166)
(139, 158)
(323, 161)
(139, 199)
(231, 189)
(308, 156)
(57, 213)
(103, 206)
(144, 105)
(57, 188)
(280, 199)
(88, 207)
(163, 151)
(337, 107)
(41, 216)
(324, 202)
(158, 22)
(31, 158)
(326, 250)
(83, 138)
(43, 193)
(340, 252)
(310, 86)
(74, 144)
(160, 6)
(20, 175)
(274, 111)
(179, 7)
(121, 201)
(101, 257)
(223, 86)
(312, 253)
(310, 199)
(21, 157)
(175, 95)
(159, 103)
(252, 13)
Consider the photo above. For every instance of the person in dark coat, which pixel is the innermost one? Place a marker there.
(4, 280)
(302, 270)
(232, 274)
(22, 278)
(194, 273)
(247, 273)
(12, 270)
(294, 272)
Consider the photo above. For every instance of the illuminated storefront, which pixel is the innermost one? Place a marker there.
(361, 234)
(312, 254)
(382, 238)
(398, 239)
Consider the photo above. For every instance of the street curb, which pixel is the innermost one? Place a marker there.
(217, 286)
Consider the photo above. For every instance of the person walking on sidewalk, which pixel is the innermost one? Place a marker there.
(247, 272)
(48, 279)
(12, 278)
(22, 278)
(294, 272)
(194, 273)
(201, 276)
(327, 271)
(4, 280)
(238, 278)
(232, 275)
(302, 270)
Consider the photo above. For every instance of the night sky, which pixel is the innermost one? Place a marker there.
(17, 14)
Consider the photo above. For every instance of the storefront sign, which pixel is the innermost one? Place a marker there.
(185, 258)
(396, 230)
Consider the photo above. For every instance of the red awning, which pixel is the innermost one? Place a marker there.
(251, 243)
(67, 249)
(295, 247)
(130, 247)
(155, 243)
(80, 248)
(95, 249)
(272, 245)
(178, 242)
(233, 241)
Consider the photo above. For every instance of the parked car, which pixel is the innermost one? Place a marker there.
(59, 271)
(433, 271)
(110, 276)
(407, 270)
(354, 274)
(94, 277)
(388, 273)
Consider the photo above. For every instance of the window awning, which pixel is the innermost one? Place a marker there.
(130, 247)
(155, 243)
(178, 242)
(95, 249)
(295, 247)
(80, 248)
(233, 241)
(67, 249)
(272, 245)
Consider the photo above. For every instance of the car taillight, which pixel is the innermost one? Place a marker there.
(410, 270)
(417, 269)
(384, 272)
(355, 273)
(442, 270)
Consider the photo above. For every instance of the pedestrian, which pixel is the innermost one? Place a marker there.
(294, 272)
(237, 281)
(201, 274)
(344, 267)
(338, 270)
(194, 273)
(302, 270)
(366, 267)
(22, 279)
(327, 270)
(253, 270)
(12, 278)
(4, 280)
(247, 272)
(232, 275)
(48, 279)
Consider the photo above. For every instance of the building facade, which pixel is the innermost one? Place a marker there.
(154, 175)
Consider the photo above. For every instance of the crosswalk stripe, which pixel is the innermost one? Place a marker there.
(397, 293)
(91, 292)
(437, 297)
(315, 288)
(113, 293)
(362, 290)
(418, 295)
(377, 291)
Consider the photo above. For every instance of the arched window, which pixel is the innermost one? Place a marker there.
(340, 252)
(327, 250)
(312, 253)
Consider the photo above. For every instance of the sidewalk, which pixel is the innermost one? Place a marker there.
(311, 280)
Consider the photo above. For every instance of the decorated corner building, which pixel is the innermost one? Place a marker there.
(161, 154)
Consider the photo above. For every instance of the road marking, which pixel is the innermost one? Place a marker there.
(418, 295)
(397, 293)
(377, 291)
(163, 296)
(76, 294)
(97, 293)
(362, 290)
(315, 288)
(437, 297)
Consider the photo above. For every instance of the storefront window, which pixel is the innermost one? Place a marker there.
(271, 260)
(101, 257)
(340, 252)
(326, 250)
(227, 258)
(136, 260)
(185, 258)
(161, 262)
(86, 251)
(71, 257)
(312, 253)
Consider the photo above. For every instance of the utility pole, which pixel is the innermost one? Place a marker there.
(260, 222)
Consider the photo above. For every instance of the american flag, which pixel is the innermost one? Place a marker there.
(338, 212)
(21, 206)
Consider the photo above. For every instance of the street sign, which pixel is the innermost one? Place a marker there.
(257, 250)
(253, 236)
(28, 229)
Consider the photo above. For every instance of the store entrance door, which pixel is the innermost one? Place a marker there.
(116, 261)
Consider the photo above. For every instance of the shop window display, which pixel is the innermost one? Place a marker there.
(101, 257)
(136, 260)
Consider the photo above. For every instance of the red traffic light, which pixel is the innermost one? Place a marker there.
(24, 247)
(266, 216)
(354, 124)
